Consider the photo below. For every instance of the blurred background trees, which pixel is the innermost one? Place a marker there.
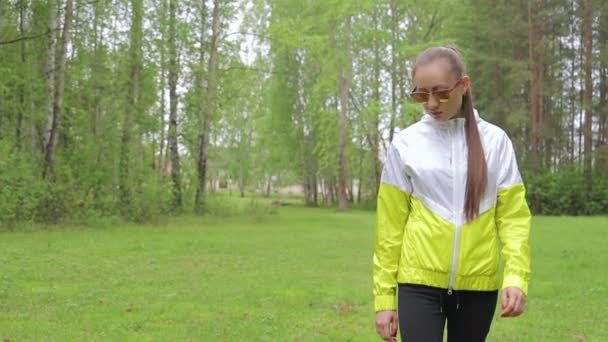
(137, 108)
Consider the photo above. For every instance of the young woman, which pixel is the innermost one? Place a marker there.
(451, 196)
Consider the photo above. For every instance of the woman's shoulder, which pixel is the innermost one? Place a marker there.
(492, 134)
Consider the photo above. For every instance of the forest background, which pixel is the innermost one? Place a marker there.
(145, 108)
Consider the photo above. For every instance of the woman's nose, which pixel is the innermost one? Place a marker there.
(433, 103)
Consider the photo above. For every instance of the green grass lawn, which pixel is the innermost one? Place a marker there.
(299, 275)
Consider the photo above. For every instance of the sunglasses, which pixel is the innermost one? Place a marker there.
(443, 95)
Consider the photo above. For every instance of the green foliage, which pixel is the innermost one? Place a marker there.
(151, 201)
(229, 204)
(21, 189)
(563, 193)
(497, 66)
(276, 114)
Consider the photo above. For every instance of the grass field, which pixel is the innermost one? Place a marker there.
(300, 274)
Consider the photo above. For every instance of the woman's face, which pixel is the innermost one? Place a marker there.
(437, 76)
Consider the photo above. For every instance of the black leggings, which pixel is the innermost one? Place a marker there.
(423, 311)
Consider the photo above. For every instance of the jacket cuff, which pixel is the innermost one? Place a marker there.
(514, 280)
(385, 302)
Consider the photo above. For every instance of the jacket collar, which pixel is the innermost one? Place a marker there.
(456, 122)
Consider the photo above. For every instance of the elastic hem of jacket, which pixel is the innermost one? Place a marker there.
(385, 302)
(514, 280)
(419, 276)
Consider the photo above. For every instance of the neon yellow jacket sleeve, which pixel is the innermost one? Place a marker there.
(513, 222)
(392, 213)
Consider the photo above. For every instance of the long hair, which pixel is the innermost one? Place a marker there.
(477, 171)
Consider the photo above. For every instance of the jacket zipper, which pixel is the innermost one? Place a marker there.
(455, 192)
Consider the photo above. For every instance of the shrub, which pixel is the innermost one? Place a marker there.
(563, 193)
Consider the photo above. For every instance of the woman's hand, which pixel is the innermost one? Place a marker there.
(513, 302)
(387, 323)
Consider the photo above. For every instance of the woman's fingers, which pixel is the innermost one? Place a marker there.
(519, 305)
(394, 325)
(386, 323)
(513, 302)
(381, 326)
(506, 303)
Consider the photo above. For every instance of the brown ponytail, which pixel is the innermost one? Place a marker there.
(477, 171)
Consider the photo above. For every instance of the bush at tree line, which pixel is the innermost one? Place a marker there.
(25, 197)
(563, 193)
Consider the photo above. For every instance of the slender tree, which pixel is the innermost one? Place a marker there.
(210, 104)
(131, 108)
(603, 66)
(51, 144)
(173, 126)
(588, 95)
(536, 54)
(344, 88)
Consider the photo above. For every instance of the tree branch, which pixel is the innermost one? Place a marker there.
(431, 26)
(16, 40)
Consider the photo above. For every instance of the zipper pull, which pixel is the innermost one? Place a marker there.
(450, 291)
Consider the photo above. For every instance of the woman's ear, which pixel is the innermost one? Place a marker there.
(466, 83)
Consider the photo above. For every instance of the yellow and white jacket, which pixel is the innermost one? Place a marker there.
(421, 234)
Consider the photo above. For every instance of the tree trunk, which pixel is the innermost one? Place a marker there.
(394, 75)
(96, 70)
(572, 120)
(549, 124)
(581, 96)
(309, 170)
(98, 77)
(581, 116)
(21, 110)
(163, 95)
(202, 114)
(1, 16)
(588, 97)
(344, 85)
(335, 191)
(242, 181)
(206, 115)
(172, 135)
(329, 185)
(268, 186)
(361, 156)
(603, 101)
(51, 146)
(375, 133)
(324, 194)
(403, 92)
(307, 176)
(535, 46)
(306, 187)
(131, 105)
(498, 91)
(50, 71)
(315, 187)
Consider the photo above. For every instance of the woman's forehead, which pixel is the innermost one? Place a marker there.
(434, 75)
